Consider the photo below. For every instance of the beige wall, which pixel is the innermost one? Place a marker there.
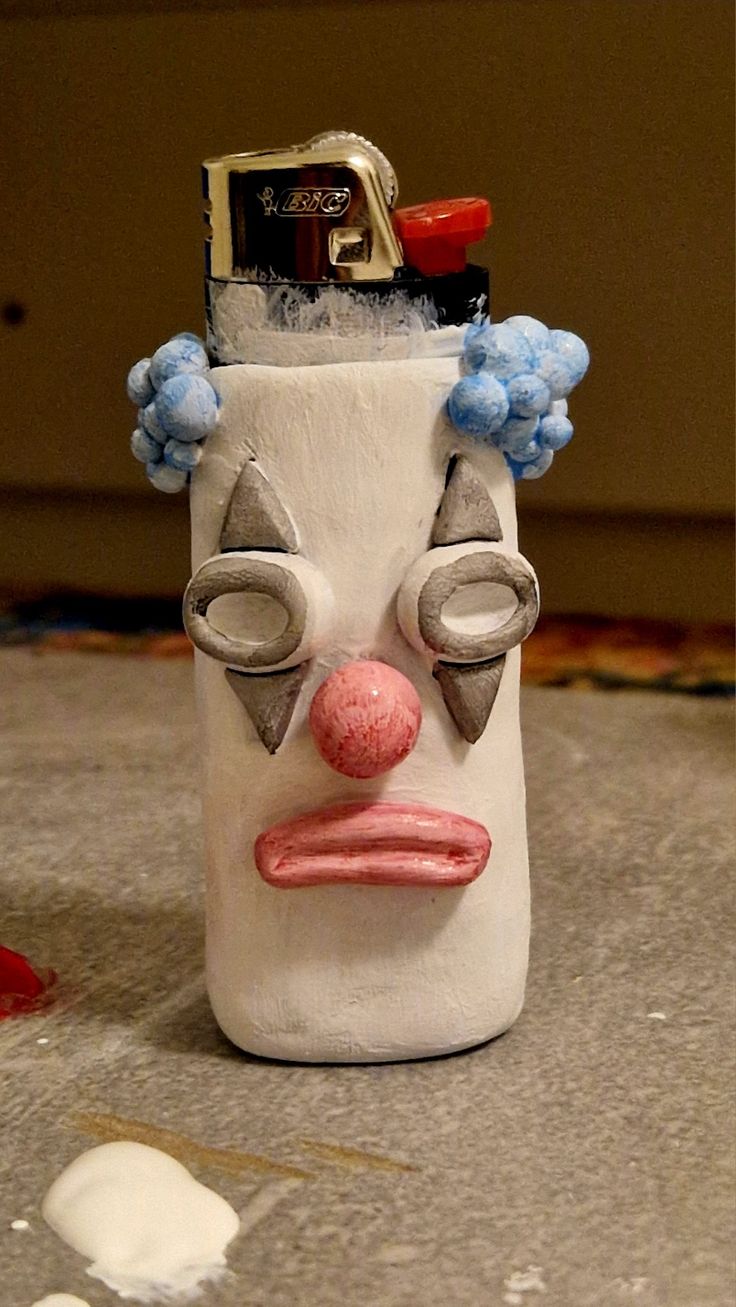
(601, 130)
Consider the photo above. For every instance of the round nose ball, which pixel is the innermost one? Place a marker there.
(365, 719)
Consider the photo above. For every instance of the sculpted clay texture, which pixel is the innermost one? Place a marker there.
(384, 930)
(151, 1231)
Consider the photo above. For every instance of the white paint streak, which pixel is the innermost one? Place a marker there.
(152, 1231)
(397, 1254)
(626, 1288)
(288, 328)
(521, 1282)
(264, 1201)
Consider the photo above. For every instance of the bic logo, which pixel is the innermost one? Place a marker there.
(306, 201)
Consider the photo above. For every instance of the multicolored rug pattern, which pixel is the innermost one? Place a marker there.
(582, 652)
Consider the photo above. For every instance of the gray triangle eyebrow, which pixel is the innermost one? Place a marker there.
(466, 511)
(256, 518)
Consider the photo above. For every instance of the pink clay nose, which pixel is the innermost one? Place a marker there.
(365, 719)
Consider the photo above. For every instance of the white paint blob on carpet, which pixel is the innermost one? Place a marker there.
(61, 1300)
(153, 1233)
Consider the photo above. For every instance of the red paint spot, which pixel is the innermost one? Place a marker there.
(21, 988)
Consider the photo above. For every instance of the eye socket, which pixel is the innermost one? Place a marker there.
(468, 603)
(274, 613)
(467, 645)
(478, 606)
(250, 617)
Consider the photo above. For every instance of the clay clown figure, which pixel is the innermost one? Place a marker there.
(352, 432)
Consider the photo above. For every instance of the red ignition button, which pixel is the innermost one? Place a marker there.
(434, 235)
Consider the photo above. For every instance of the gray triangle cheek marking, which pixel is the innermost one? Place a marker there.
(269, 700)
(469, 693)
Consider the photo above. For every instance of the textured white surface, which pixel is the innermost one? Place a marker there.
(357, 452)
(152, 1231)
(339, 326)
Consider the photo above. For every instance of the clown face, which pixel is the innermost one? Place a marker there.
(357, 604)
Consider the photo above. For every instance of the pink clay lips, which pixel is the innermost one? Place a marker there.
(373, 844)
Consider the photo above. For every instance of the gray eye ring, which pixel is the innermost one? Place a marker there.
(233, 574)
(444, 581)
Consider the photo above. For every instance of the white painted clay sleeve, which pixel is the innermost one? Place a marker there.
(357, 453)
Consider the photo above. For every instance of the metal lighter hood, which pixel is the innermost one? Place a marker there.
(319, 212)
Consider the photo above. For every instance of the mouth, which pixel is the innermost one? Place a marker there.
(373, 844)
